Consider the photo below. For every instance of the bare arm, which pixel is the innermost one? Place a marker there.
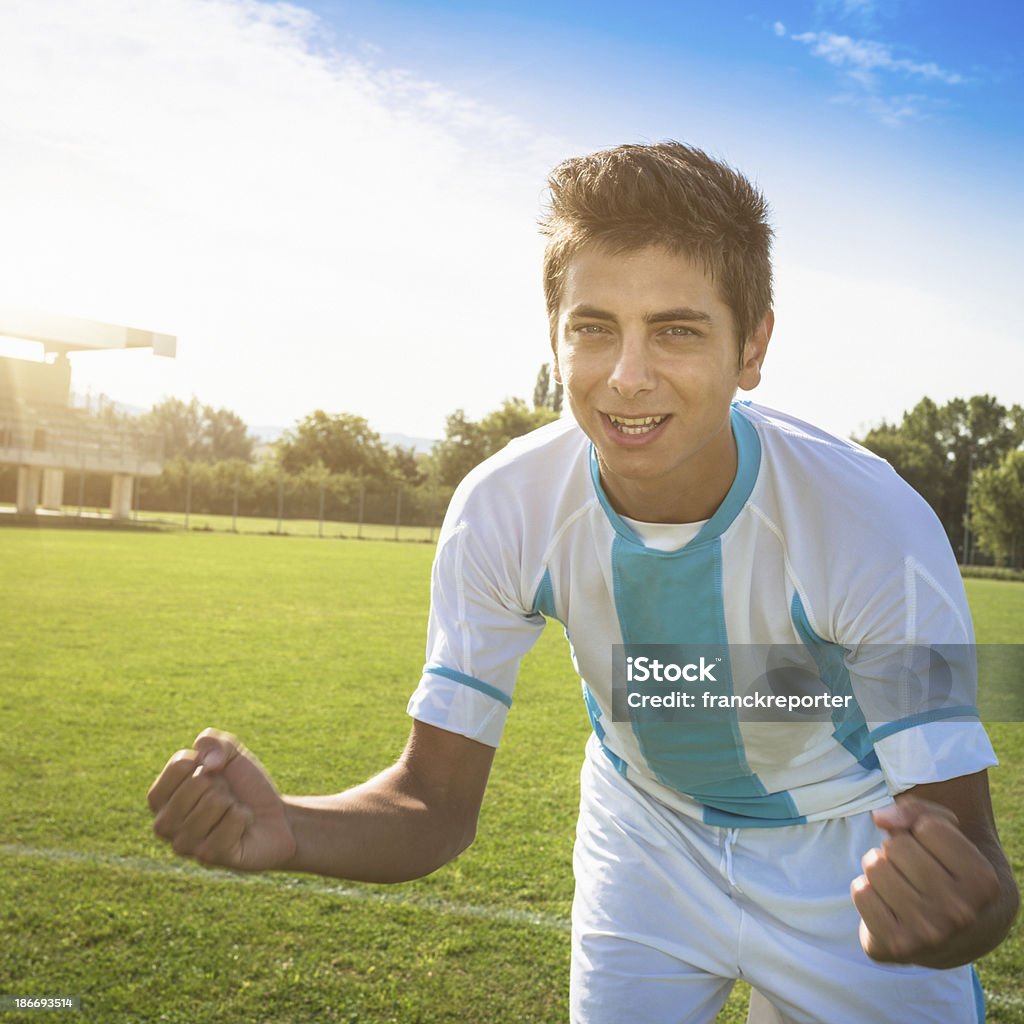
(940, 892)
(216, 803)
(406, 822)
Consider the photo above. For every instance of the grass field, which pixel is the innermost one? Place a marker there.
(117, 648)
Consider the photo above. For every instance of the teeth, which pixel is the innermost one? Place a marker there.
(635, 425)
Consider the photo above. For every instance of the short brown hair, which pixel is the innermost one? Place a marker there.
(666, 194)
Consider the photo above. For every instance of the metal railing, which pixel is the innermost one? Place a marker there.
(60, 438)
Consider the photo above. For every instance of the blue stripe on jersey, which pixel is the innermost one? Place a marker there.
(675, 598)
(726, 819)
(594, 712)
(979, 995)
(544, 599)
(850, 729)
(935, 715)
(470, 681)
(622, 528)
(748, 450)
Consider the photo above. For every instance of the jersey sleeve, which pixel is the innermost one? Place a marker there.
(479, 627)
(913, 665)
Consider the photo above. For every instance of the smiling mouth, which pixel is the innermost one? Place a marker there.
(633, 425)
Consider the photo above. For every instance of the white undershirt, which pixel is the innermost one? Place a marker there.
(665, 536)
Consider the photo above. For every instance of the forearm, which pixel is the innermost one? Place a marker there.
(385, 830)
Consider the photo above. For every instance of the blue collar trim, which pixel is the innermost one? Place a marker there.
(748, 450)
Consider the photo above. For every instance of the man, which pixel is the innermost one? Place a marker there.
(665, 514)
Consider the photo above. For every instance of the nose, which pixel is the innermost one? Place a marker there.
(633, 372)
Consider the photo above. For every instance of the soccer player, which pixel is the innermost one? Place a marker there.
(666, 513)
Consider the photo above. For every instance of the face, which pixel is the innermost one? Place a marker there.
(648, 355)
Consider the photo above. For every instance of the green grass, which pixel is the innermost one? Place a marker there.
(117, 648)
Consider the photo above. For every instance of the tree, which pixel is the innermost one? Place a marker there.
(467, 443)
(997, 509)
(225, 436)
(920, 464)
(342, 443)
(464, 446)
(547, 394)
(937, 448)
(406, 465)
(199, 432)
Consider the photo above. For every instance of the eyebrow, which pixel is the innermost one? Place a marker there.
(684, 313)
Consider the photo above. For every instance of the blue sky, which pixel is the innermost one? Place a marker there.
(340, 196)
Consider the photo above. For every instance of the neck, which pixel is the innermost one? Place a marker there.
(690, 496)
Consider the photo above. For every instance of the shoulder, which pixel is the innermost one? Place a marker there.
(825, 476)
(860, 541)
(504, 514)
(804, 442)
(530, 470)
(534, 454)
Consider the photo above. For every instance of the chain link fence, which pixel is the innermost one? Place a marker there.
(237, 497)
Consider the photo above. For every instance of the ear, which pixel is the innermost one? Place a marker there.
(556, 370)
(754, 350)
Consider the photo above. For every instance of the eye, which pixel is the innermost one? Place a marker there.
(588, 329)
(678, 331)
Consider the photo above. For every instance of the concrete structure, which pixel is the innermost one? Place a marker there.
(44, 436)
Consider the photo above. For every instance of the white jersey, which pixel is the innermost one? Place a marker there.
(818, 544)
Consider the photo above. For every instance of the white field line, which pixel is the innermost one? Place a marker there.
(185, 869)
(284, 883)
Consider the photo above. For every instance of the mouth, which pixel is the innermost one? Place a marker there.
(635, 426)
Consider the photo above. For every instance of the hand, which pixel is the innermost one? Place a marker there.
(216, 803)
(926, 891)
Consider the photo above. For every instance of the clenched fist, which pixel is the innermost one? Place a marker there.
(927, 890)
(217, 803)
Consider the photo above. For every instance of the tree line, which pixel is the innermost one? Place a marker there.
(330, 464)
(965, 458)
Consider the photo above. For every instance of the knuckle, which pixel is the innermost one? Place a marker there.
(882, 952)
(217, 736)
(959, 913)
(932, 933)
(931, 826)
(874, 867)
(206, 853)
(898, 845)
(899, 948)
(181, 844)
(200, 785)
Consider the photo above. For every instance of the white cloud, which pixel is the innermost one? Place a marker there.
(868, 69)
(859, 7)
(780, 29)
(862, 11)
(893, 110)
(317, 231)
(865, 55)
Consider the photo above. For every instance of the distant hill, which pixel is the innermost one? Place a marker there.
(421, 445)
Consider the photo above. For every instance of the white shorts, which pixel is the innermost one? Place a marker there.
(669, 912)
